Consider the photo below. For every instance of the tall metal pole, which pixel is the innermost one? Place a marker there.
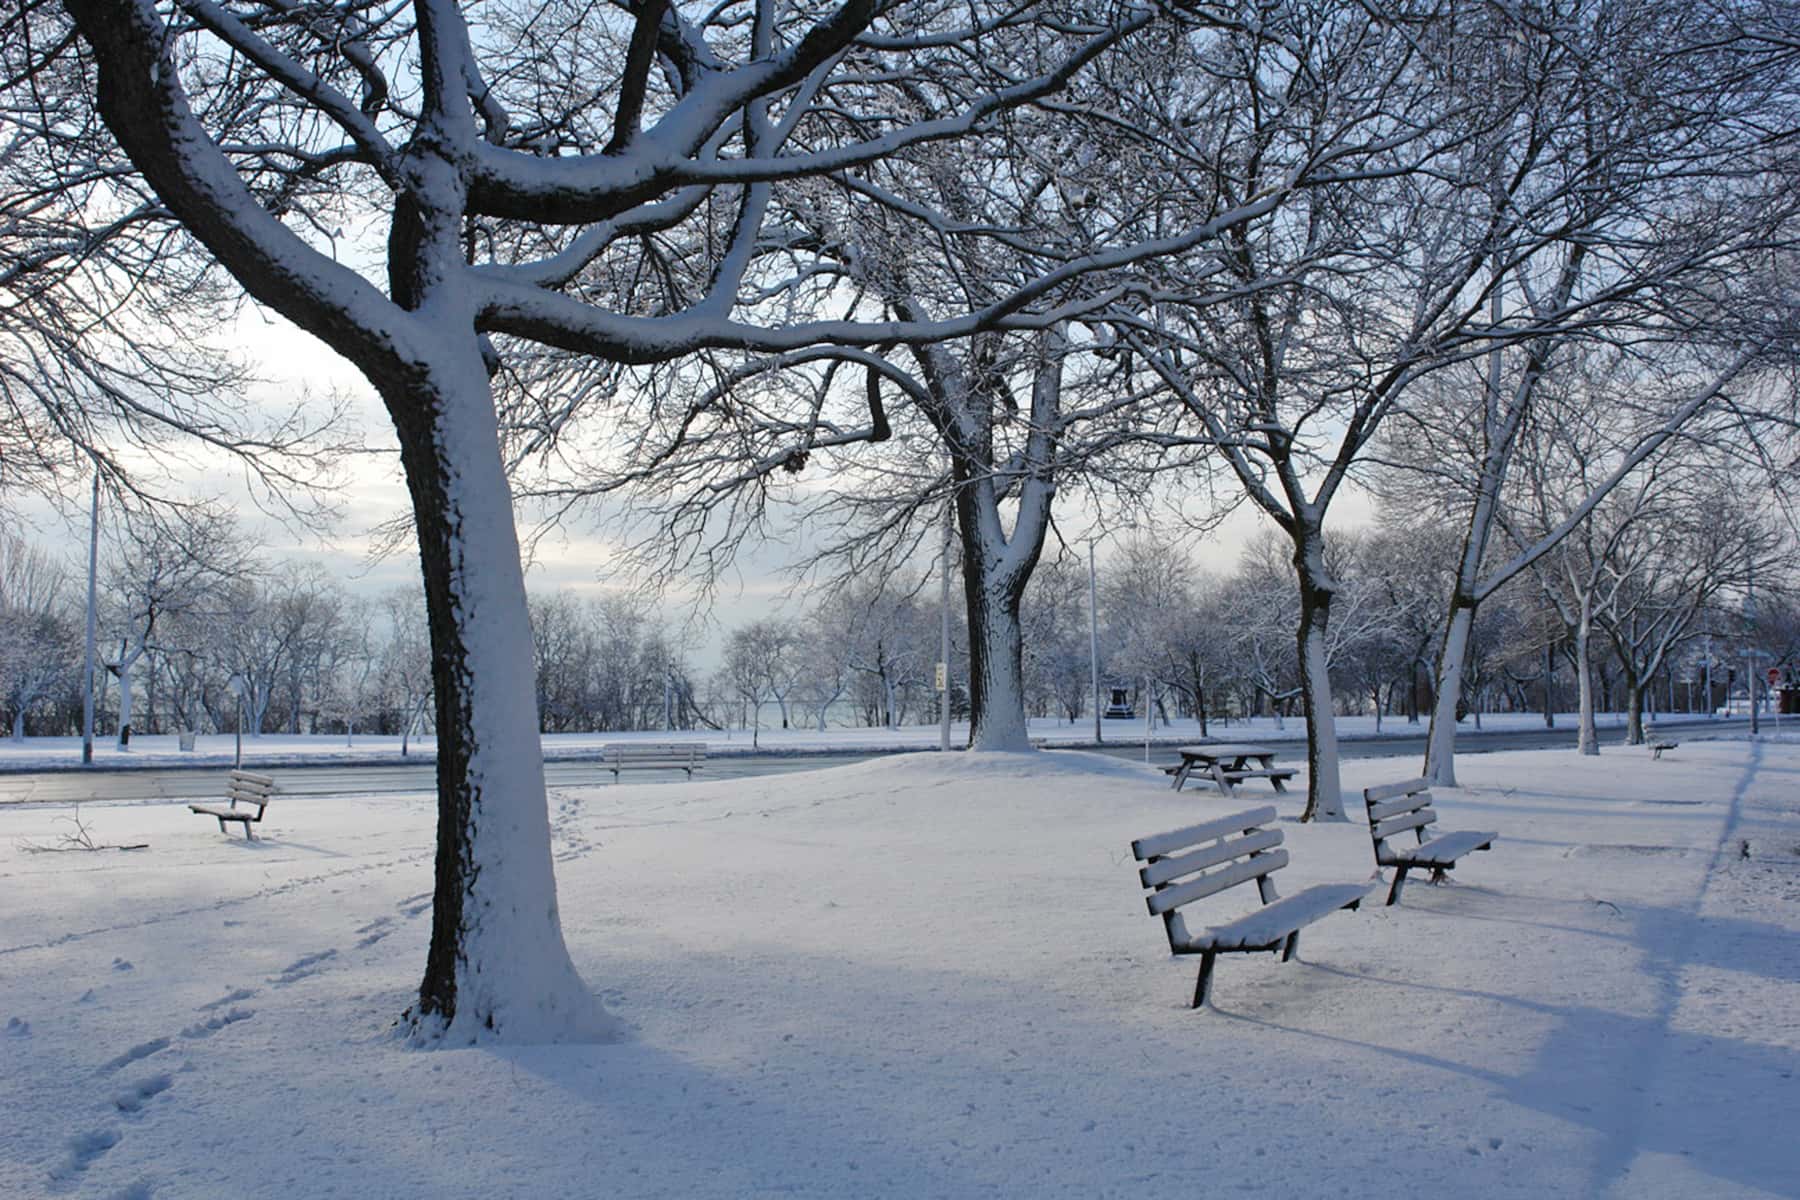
(944, 640)
(1149, 713)
(1750, 646)
(87, 688)
(1094, 642)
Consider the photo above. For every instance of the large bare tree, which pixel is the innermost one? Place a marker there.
(534, 166)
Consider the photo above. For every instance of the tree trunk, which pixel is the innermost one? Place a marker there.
(1587, 740)
(1440, 744)
(125, 665)
(1324, 795)
(1635, 694)
(996, 662)
(497, 963)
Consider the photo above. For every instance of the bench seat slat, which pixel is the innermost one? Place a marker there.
(1258, 773)
(1403, 822)
(1445, 850)
(1159, 844)
(226, 814)
(1267, 926)
(1164, 869)
(1202, 886)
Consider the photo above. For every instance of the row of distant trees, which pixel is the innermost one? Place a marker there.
(1656, 595)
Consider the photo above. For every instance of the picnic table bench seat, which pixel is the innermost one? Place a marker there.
(1396, 808)
(645, 756)
(1190, 864)
(247, 788)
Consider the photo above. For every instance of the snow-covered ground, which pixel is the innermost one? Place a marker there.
(280, 749)
(928, 976)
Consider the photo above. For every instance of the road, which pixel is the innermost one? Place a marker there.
(187, 783)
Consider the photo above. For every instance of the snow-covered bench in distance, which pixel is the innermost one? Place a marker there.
(1395, 808)
(1659, 743)
(665, 756)
(1176, 869)
(251, 790)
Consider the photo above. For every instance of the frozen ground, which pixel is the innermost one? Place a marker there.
(928, 977)
(41, 754)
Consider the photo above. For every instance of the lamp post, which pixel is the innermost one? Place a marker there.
(1094, 642)
(944, 636)
(87, 675)
(236, 684)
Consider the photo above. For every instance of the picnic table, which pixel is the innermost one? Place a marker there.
(1228, 764)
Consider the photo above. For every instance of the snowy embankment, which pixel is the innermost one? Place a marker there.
(928, 976)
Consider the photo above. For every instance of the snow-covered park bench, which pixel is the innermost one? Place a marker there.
(247, 788)
(653, 756)
(1659, 743)
(1395, 808)
(1176, 871)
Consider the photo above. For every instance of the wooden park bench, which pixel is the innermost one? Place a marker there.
(1177, 872)
(1395, 808)
(247, 788)
(1658, 744)
(646, 756)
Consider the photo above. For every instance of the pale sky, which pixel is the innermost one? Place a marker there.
(289, 360)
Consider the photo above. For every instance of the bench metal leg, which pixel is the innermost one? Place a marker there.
(1181, 775)
(1203, 985)
(1440, 875)
(1399, 879)
(1291, 947)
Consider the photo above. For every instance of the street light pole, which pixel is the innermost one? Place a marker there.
(1093, 642)
(944, 633)
(87, 689)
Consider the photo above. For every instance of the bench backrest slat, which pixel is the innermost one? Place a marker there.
(1416, 819)
(252, 779)
(1176, 865)
(1159, 844)
(236, 794)
(1405, 804)
(1201, 886)
(1388, 791)
(659, 751)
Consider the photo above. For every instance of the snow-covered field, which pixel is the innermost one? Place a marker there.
(928, 976)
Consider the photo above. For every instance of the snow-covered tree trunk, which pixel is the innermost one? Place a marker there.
(1324, 793)
(1587, 739)
(1635, 693)
(126, 662)
(996, 664)
(497, 958)
(1440, 745)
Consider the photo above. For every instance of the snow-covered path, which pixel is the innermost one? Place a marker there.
(928, 977)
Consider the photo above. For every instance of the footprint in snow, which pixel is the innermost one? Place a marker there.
(300, 968)
(120, 964)
(132, 1099)
(232, 998)
(412, 906)
(17, 1028)
(84, 1149)
(134, 1191)
(212, 1025)
(141, 1050)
